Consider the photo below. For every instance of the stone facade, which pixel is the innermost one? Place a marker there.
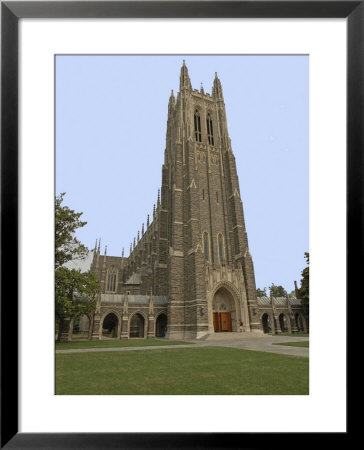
(191, 265)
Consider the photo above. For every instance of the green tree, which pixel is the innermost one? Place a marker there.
(304, 290)
(262, 292)
(75, 292)
(66, 223)
(277, 291)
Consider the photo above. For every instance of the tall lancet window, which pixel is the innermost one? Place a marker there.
(197, 122)
(220, 244)
(111, 280)
(210, 130)
(206, 245)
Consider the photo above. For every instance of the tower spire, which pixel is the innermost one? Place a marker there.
(216, 88)
(184, 79)
(98, 255)
(104, 259)
(171, 103)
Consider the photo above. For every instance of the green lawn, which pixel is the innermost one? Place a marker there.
(294, 344)
(116, 343)
(181, 371)
(80, 336)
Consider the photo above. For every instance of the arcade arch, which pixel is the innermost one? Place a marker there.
(266, 323)
(161, 325)
(300, 323)
(81, 327)
(283, 323)
(110, 325)
(137, 326)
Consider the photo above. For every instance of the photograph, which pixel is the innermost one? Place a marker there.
(181, 224)
(181, 211)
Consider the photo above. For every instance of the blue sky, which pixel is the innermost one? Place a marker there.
(111, 113)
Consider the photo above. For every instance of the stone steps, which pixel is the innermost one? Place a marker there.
(231, 335)
(221, 336)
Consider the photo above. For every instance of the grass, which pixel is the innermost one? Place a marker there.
(181, 371)
(294, 344)
(116, 343)
(80, 336)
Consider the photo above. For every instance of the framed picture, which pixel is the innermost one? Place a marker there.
(138, 17)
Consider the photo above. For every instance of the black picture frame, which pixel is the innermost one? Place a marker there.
(11, 12)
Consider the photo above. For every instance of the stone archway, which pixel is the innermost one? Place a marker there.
(224, 311)
(161, 325)
(136, 329)
(81, 327)
(283, 323)
(300, 323)
(266, 323)
(110, 326)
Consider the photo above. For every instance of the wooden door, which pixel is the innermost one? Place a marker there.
(216, 322)
(225, 321)
(229, 322)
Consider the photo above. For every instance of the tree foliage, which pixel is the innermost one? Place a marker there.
(75, 292)
(66, 223)
(262, 292)
(304, 290)
(277, 291)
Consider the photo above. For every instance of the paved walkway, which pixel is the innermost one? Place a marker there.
(261, 343)
(122, 349)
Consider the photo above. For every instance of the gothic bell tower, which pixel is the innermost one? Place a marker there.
(211, 282)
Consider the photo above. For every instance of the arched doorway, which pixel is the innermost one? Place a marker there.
(267, 328)
(137, 326)
(110, 326)
(300, 323)
(81, 327)
(161, 325)
(224, 314)
(283, 323)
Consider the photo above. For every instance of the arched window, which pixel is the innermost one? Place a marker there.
(206, 245)
(220, 245)
(210, 130)
(197, 122)
(111, 280)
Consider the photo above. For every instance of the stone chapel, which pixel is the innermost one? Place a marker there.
(189, 272)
